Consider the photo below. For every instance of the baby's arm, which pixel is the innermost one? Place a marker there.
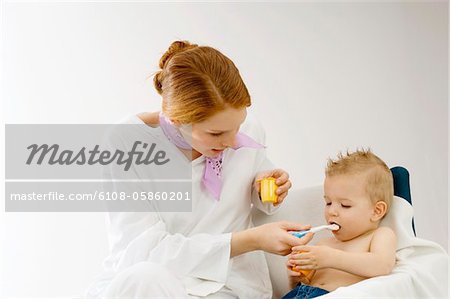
(380, 259)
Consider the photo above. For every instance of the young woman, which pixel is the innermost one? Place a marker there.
(213, 251)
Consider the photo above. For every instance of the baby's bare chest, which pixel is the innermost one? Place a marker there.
(361, 244)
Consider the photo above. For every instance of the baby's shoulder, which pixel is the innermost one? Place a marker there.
(383, 233)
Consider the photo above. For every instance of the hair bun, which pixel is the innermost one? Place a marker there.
(157, 81)
(175, 47)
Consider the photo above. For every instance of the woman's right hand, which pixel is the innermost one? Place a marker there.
(274, 237)
(271, 237)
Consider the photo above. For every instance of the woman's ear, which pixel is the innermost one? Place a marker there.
(176, 123)
(379, 210)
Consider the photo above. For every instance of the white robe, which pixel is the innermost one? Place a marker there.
(195, 246)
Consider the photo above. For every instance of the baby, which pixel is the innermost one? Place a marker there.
(358, 191)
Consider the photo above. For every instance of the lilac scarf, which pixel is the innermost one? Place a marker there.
(211, 179)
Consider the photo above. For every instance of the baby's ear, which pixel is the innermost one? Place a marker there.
(379, 210)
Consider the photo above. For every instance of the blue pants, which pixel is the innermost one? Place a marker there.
(303, 291)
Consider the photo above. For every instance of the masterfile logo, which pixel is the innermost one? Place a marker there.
(53, 155)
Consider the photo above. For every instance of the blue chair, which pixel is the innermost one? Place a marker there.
(401, 186)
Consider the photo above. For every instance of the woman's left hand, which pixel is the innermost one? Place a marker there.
(282, 181)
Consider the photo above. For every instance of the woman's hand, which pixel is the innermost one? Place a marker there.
(271, 237)
(274, 237)
(312, 257)
(282, 181)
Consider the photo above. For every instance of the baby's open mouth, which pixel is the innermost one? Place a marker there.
(335, 223)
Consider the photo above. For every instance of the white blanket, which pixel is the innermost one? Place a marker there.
(421, 270)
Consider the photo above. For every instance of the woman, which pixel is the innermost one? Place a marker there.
(214, 250)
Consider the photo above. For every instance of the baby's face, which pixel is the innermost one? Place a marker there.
(348, 205)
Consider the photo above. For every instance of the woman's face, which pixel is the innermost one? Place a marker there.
(213, 135)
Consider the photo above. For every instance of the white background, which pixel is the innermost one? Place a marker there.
(324, 77)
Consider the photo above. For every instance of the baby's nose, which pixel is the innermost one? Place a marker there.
(332, 211)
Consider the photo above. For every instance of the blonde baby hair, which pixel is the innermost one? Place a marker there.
(379, 180)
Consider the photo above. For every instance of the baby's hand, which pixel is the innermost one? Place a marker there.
(312, 257)
(295, 276)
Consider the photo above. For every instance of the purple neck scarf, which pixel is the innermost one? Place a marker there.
(212, 178)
